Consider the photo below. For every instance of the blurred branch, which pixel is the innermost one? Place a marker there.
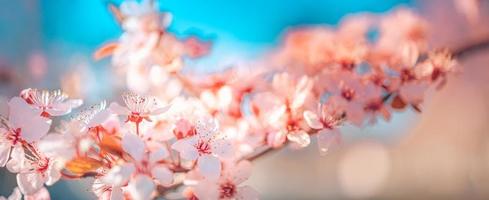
(471, 47)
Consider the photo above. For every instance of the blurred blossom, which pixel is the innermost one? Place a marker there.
(38, 65)
(469, 8)
(334, 81)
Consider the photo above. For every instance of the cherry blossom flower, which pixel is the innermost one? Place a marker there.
(228, 185)
(107, 191)
(348, 91)
(206, 147)
(138, 108)
(325, 122)
(23, 126)
(141, 175)
(72, 139)
(33, 168)
(284, 113)
(36, 172)
(436, 68)
(146, 42)
(50, 103)
(375, 105)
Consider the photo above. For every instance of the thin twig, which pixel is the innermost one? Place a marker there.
(268, 150)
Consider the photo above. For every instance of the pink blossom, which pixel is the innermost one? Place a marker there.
(228, 184)
(141, 175)
(138, 108)
(206, 147)
(23, 126)
(50, 103)
(325, 121)
(36, 173)
(71, 139)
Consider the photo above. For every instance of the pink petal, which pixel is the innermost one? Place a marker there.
(116, 194)
(119, 175)
(35, 129)
(241, 172)
(246, 193)
(312, 120)
(29, 183)
(160, 111)
(42, 194)
(100, 118)
(186, 148)
(141, 187)
(74, 103)
(207, 190)
(355, 114)
(413, 92)
(21, 115)
(409, 54)
(276, 139)
(158, 155)
(5, 148)
(209, 166)
(19, 110)
(17, 162)
(303, 89)
(53, 174)
(299, 137)
(57, 145)
(59, 109)
(222, 148)
(163, 175)
(134, 146)
(118, 109)
(209, 99)
(328, 139)
(225, 96)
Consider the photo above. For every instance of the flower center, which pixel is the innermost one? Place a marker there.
(228, 190)
(45, 114)
(42, 165)
(348, 94)
(135, 117)
(407, 75)
(203, 147)
(14, 136)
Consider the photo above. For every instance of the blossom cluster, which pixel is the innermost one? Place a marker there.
(201, 132)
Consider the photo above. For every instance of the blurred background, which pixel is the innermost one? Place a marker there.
(440, 154)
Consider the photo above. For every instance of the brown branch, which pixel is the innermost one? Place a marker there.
(268, 150)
